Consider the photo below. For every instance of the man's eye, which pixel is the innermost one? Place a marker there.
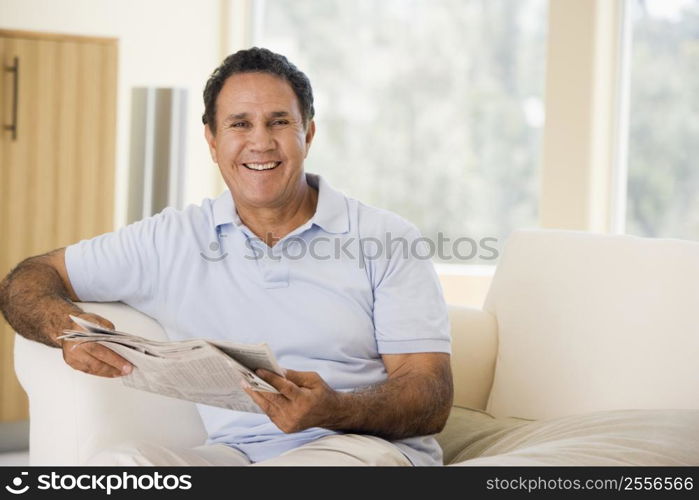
(277, 123)
(239, 124)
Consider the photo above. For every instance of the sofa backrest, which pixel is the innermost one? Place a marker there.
(591, 322)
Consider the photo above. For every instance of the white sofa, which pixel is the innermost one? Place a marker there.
(585, 354)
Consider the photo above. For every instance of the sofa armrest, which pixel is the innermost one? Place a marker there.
(474, 351)
(73, 415)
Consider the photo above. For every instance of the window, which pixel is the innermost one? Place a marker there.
(663, 154)
(430, 108)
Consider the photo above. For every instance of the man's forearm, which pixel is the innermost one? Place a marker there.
(411, 405)
(35, 302)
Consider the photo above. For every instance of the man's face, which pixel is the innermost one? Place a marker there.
(260, 142)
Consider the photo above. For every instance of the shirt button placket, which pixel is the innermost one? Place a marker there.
(275, 268)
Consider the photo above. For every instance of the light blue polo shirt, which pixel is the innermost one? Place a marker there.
(329, 297)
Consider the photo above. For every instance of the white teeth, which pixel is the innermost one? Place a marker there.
(262, 166)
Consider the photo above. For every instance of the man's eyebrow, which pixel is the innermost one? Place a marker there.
(244, 115)
(237, 116)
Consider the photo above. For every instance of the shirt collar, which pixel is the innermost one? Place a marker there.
(224, 210)
(332, 213)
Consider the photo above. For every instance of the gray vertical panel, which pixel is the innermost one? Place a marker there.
(149, 151)
(136, 154)
(160, 177)
(178, 147)
(158, 148)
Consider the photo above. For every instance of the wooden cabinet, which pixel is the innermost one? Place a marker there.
(57, 157)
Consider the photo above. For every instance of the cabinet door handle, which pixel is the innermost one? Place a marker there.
(15, 97)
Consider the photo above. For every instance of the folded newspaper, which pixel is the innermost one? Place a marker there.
(203, 371)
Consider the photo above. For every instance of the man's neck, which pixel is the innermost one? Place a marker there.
(273, 223)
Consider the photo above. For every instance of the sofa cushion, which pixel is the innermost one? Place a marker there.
(619, 437)
(592, 322)
(468, 428)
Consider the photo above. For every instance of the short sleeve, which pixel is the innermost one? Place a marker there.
(410, 314)
(116, 266)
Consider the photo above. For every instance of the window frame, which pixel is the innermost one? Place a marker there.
(583, 159)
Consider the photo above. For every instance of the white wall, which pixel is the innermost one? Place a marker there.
(170, 43)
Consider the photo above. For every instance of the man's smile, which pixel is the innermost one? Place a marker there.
(262, 166)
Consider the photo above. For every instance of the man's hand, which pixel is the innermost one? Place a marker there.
(305, 400)
(414, 400)
(91, 357)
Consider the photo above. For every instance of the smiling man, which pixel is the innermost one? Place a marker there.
(364, 338)
(259, 136)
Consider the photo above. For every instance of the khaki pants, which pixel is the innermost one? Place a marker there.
(335, 450)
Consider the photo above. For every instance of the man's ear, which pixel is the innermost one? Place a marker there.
(211, 141)
(310, 132)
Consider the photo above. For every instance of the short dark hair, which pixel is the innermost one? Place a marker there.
(257, 60)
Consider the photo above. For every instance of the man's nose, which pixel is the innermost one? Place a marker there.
(261, 139)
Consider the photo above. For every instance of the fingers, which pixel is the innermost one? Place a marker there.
(303, 379)
(95, 366)
(286, 387)
(109, 357)
(94, 359)
(265, 400)
(95, 318)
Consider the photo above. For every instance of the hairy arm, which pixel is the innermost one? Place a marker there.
(415, 399)
(36, 298)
